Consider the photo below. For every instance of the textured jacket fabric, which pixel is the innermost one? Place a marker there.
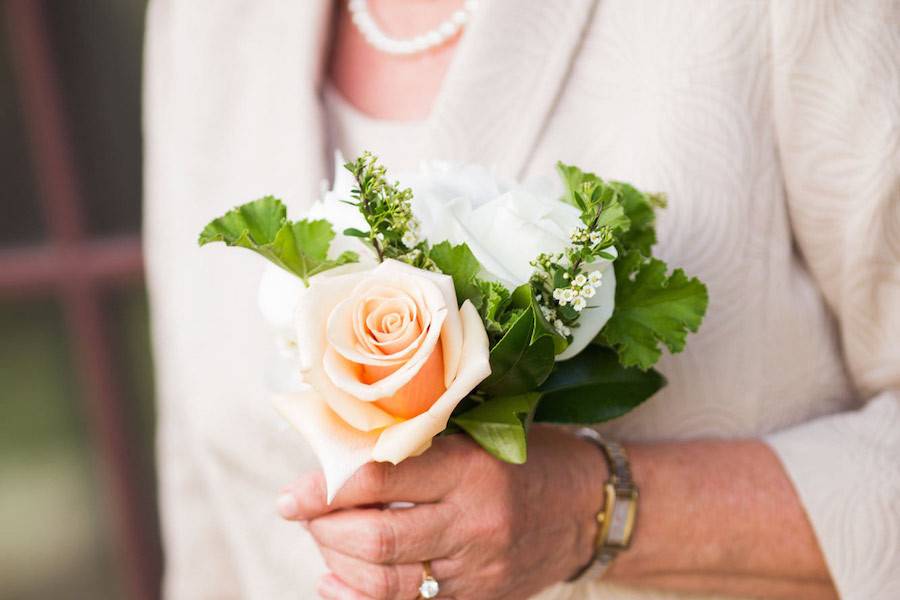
(774, 128)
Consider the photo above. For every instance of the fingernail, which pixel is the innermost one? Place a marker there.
(287, 505)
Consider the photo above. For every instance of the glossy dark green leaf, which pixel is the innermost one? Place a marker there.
(593, 387)
(499, 425)
(519, 363)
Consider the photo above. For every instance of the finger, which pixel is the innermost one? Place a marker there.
(386, 582)
(332, 588)
(425, 532)
(425, 478)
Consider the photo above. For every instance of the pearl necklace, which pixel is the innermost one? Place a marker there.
(359, 13)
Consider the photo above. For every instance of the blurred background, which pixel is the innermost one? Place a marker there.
(77, 492)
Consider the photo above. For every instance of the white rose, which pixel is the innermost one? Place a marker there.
(386, 356)
(506, 226)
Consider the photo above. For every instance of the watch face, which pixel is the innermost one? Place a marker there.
(620, 521)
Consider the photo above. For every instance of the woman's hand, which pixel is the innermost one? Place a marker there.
(490, 529)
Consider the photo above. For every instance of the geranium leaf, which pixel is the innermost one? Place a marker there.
(593, 387)
(299, 247)
(459, 263)
(500, 424)
(652, 308)
(638, 210)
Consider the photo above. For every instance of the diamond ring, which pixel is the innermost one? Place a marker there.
(429, 588)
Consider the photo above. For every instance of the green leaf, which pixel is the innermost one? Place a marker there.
(249, 225)
(459, 263)
(495, 301)
(354, 232)
(593, 387)
(638, 209)
(500, 424)
(613, 216)
(652, 308)
(519, 361)
(625, 209)
(574, 178)
(523, 297)
(262, 226)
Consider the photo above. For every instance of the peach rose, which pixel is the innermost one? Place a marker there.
(385, 356)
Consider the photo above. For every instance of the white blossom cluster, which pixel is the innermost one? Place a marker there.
(583, 287)
(587, 244)
(553, 319)
(581, 235)
(409, 239)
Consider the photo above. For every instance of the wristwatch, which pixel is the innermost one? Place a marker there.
(616, 520)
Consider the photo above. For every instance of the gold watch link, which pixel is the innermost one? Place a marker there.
(616, 520)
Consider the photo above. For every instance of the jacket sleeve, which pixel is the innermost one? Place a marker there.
(198, 564)
(836, 95)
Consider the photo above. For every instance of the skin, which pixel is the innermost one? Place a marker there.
(716, 517)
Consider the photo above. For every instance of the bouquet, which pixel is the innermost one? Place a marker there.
(461, 302)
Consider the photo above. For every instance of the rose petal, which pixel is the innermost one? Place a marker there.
(388, 325)
(313, 307)
(341, 449)
(402, 440)
(345, 328)
(344, 373)
(420, 393)
(451, 334)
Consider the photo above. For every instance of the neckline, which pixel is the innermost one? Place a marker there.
(454, 74)
(346, 111)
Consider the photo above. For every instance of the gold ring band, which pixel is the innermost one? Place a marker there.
(429, 588)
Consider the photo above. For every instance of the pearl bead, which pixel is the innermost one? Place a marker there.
(375, 37)
(447, 29)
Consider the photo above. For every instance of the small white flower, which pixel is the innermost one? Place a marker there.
(561, 328)
(548, 314)
(595, 237)
(568, 295)
(595, 278)
(576, 234)
(557, 294)
(409, 239)
(588, 292)
(579, 303)
(580, 280)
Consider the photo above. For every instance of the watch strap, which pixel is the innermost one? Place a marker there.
(617, 517)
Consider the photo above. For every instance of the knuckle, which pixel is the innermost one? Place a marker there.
(498, 524)
(373, 479)
(384, 583)
(382, 545)
(499, 571)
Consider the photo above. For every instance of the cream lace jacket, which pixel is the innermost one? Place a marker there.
(774, 127)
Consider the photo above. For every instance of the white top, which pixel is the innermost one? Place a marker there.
(399, 145)
(774, 127)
